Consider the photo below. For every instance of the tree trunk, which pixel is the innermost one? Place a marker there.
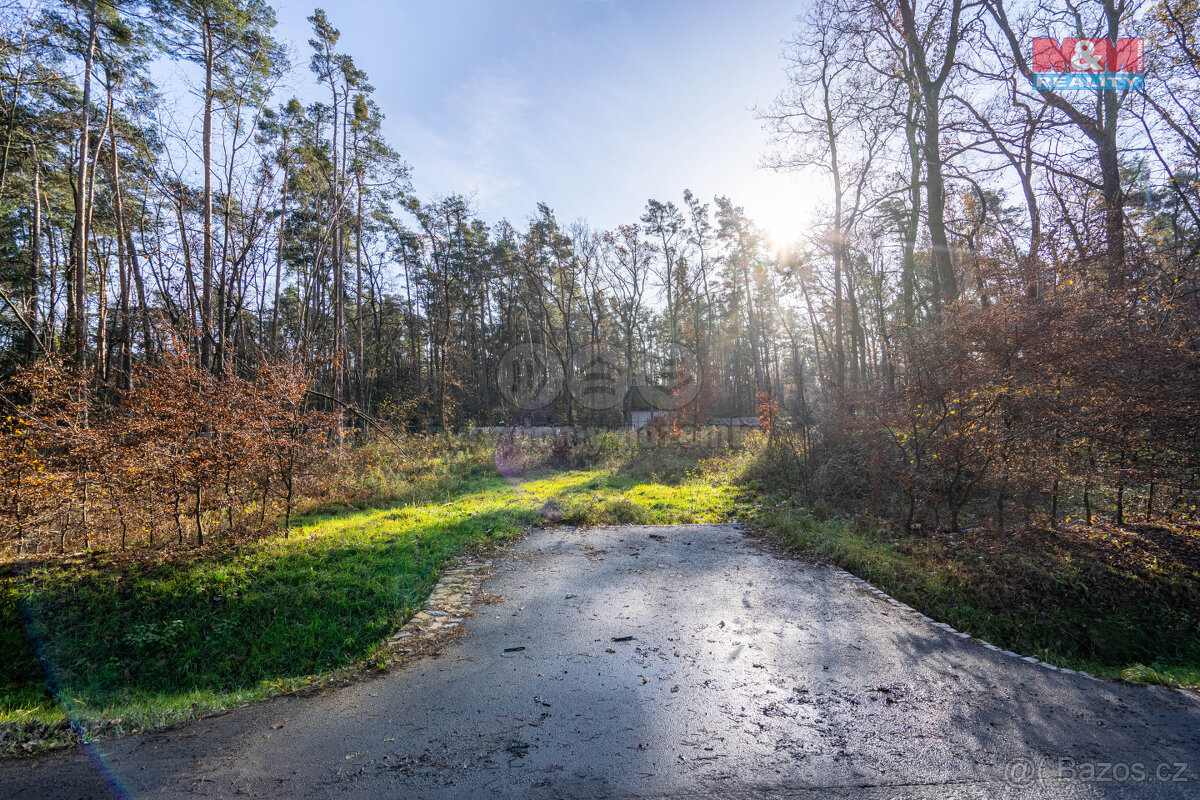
(908, 264)
(279, 257)
(839, 257)
(136, 271)
(79, 233)
(935, 192)
(101, 315)
(1114, 214)
(124, 335)
(206, 337)
(1000, 510)
(360, 360)
(35, 262)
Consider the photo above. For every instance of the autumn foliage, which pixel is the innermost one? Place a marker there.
(183, 457)
(1037, 407)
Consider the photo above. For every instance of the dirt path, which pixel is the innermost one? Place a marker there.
(671, 662)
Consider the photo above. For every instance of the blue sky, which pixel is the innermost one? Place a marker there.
(592, 106)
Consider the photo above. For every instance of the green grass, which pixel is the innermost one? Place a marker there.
(136, 644)
(1052, 595)
(600, 497)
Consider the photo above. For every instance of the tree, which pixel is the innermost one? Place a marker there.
(665, 222)
(230, 40)
(79, 232)
(827, 119)
(1100, 124)
(931, 57)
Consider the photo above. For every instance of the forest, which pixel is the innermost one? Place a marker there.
(995, 311)
(258, 392)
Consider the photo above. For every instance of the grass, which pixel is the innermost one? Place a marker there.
(110, 644)
(1123, 603)
(599, 497)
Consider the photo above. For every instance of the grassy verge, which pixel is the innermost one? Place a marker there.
(1116, 602)
(115, 643)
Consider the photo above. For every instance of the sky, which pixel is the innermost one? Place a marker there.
(591, 106)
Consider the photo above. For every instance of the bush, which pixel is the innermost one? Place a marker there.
(181, 451)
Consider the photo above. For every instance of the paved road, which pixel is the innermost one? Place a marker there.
(746, 676)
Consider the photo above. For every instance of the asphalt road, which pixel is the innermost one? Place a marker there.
(670, 662)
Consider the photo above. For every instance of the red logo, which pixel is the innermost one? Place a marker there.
(1087, 55)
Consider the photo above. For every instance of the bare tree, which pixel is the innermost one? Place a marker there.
(1100, 121)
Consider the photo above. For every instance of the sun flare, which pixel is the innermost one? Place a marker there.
(782, 207)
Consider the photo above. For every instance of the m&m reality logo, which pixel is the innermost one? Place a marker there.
(1087, 64)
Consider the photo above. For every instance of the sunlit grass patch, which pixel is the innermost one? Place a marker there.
(1164, 675)
(603, 498)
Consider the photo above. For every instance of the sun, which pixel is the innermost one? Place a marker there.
(781, 208)
(782, 234)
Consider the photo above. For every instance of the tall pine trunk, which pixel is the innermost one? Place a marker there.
(124, 254)
(79, 233)
(206, 337)
(35, 262)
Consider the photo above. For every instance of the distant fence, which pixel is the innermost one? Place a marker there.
(718, 435)
(735, 422)
(552, 430)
